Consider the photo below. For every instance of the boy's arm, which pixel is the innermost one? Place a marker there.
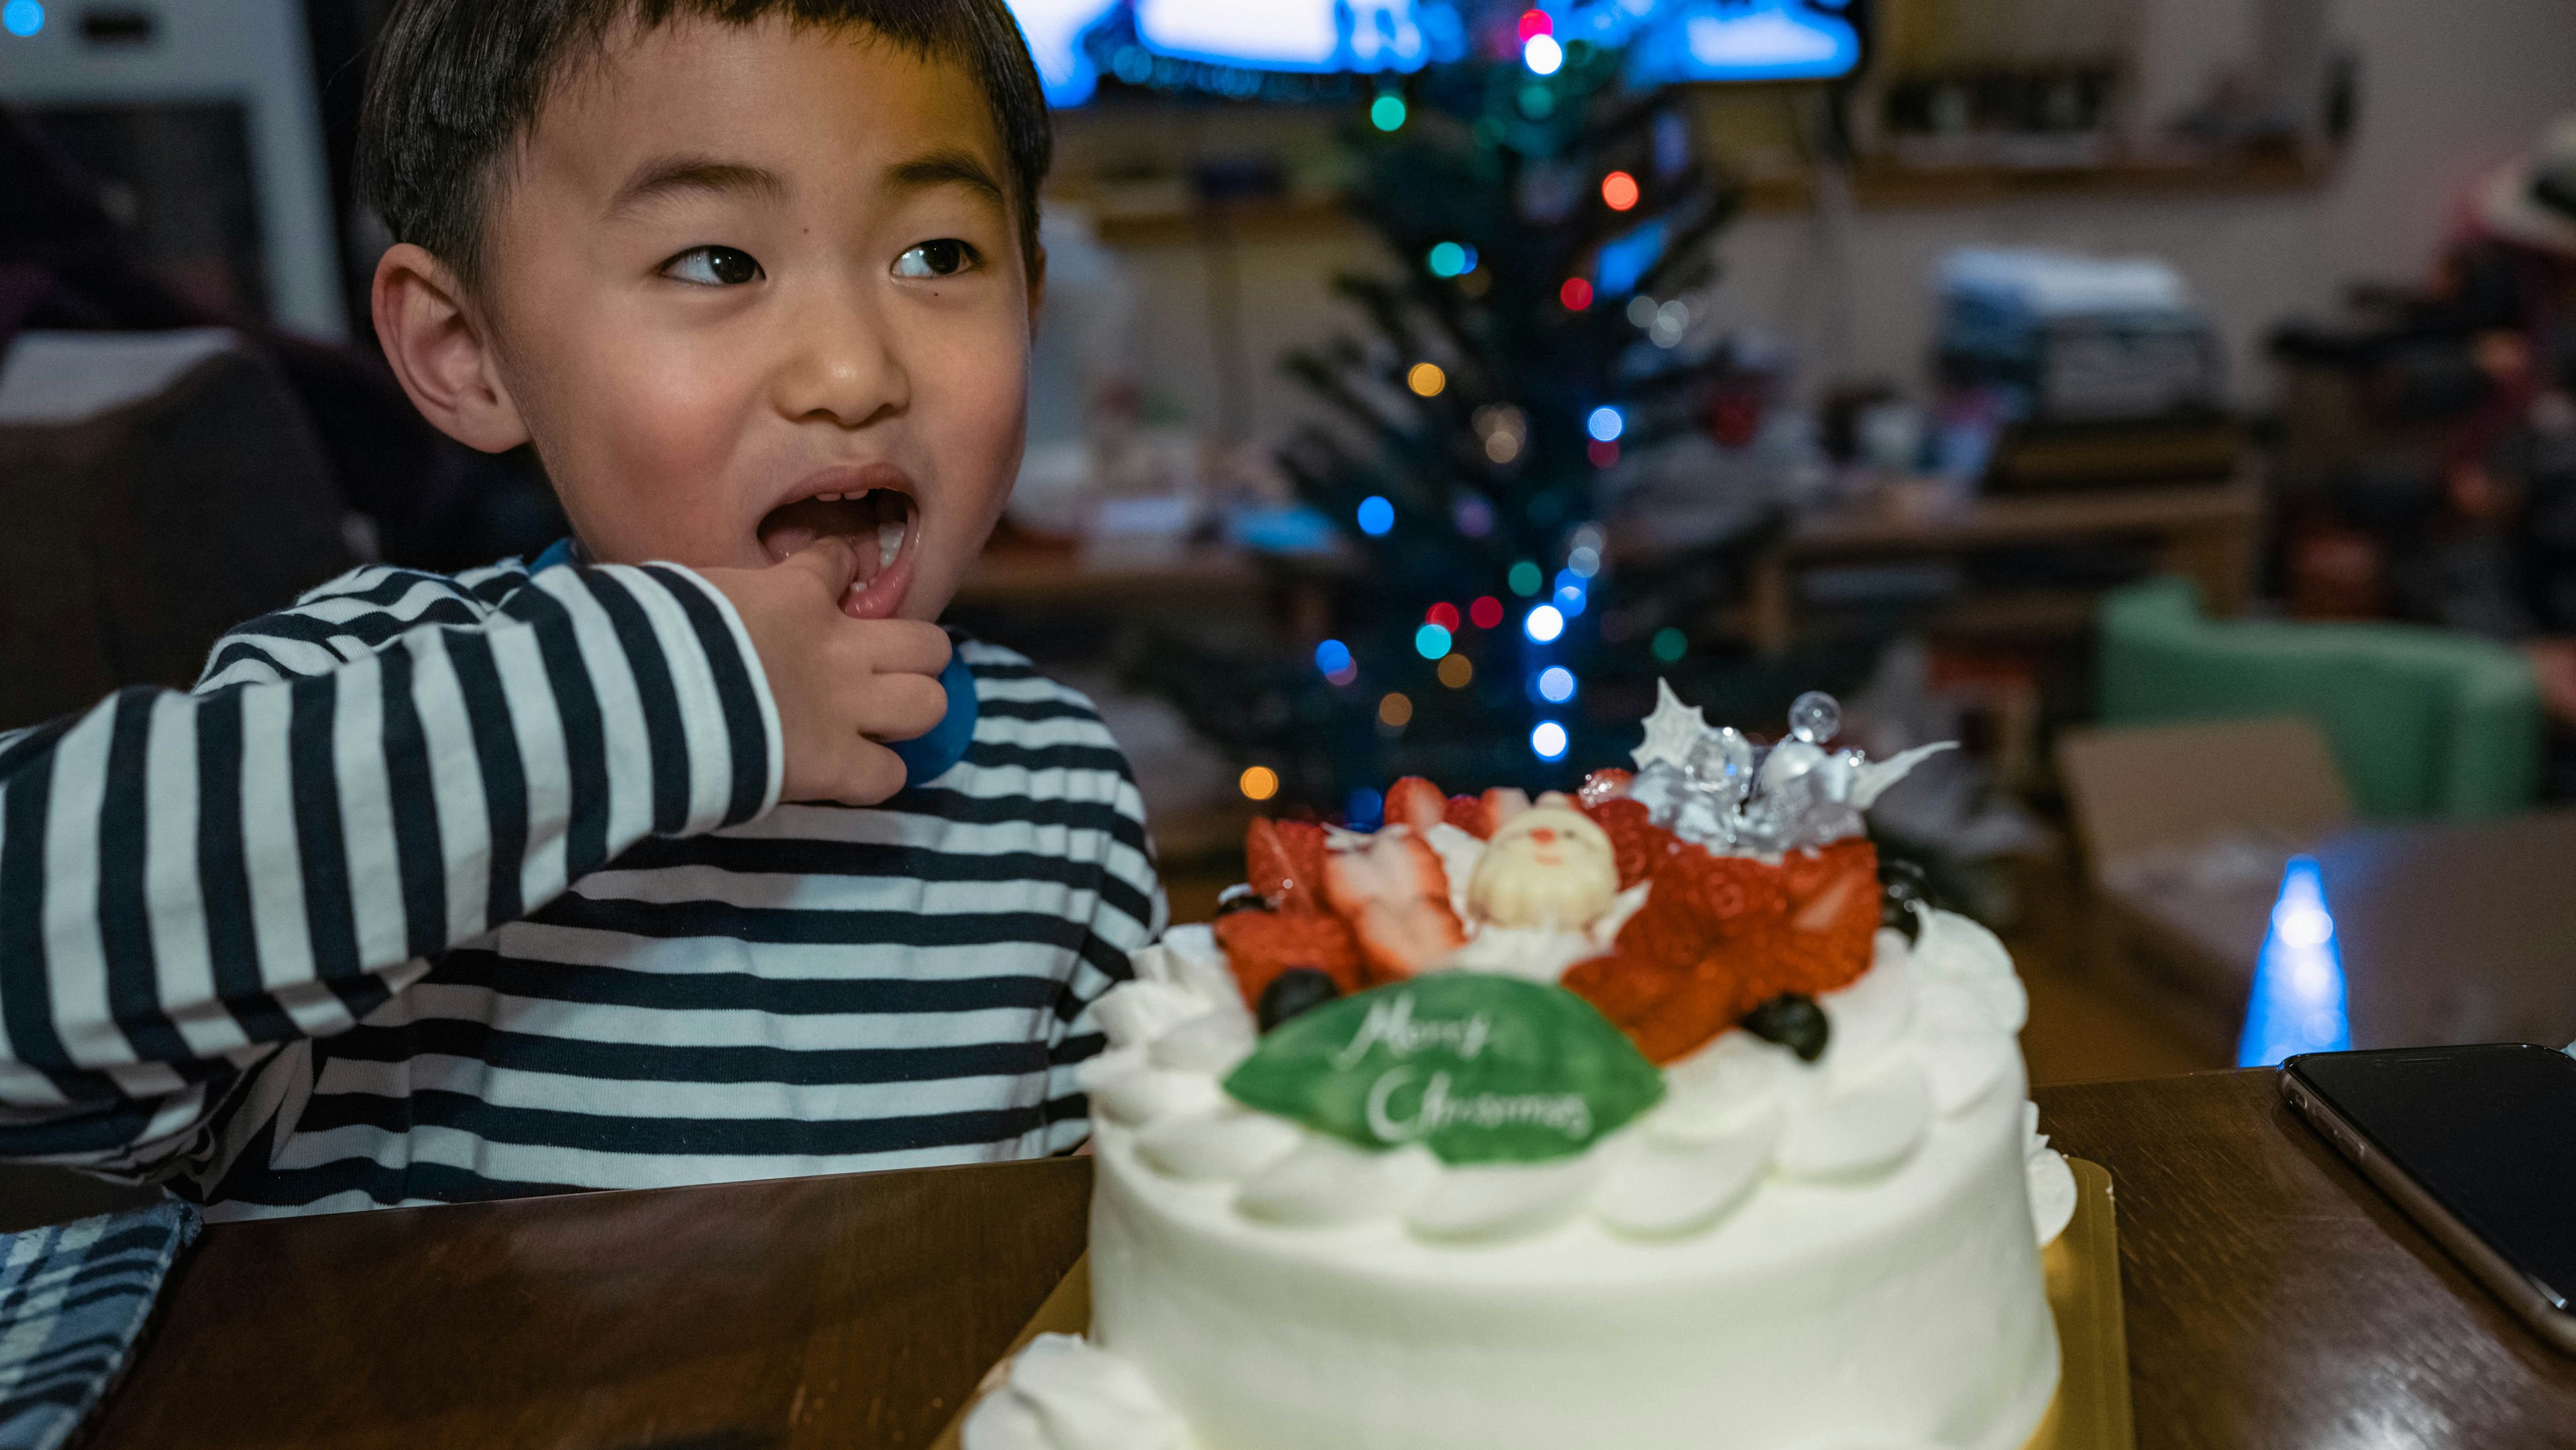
(1129, 912)
(189, 880)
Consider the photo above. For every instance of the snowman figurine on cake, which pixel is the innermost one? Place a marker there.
(1654, 1115)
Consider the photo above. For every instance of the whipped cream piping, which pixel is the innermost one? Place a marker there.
(1925, 1034)
(1063, 1392)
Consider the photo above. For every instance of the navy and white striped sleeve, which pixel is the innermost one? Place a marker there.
(1130, 911)
(397, 764)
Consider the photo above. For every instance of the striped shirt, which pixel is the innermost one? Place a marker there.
(440, 889)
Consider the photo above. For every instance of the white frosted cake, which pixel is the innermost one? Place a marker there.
(1617, 1121)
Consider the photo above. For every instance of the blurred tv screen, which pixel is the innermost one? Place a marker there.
(1078, 42)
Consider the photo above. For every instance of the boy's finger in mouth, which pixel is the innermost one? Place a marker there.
(878, 515)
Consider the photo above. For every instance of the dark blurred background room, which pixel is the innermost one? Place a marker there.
(2172, 400)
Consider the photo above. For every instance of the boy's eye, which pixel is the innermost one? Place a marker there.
(713, 267)
(943, 258)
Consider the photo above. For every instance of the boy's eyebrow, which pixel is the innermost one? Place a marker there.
(948, 166)
(670, 175)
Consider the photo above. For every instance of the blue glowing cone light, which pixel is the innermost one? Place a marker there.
(2298, 980)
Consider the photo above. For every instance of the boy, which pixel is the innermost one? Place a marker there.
(444, 889)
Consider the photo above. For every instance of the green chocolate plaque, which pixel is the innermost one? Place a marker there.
(1478, 1068)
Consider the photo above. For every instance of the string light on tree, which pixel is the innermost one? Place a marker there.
(1387, 112)
(1486, 612)
(1525, 578)
(1431, 642)
(1426, 379)
(1606, 424)
(1670, 645)
(1542, 55)
(1457, 672)
(1548, 740)
(1576, 294)
(1443, 614)
(1395, 711)
(1619, 191)
(1556, 684)
(1258, 782)
(1544, 624)
(1376, 515)
(1450, 259)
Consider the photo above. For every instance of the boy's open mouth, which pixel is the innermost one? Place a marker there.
(884, 523)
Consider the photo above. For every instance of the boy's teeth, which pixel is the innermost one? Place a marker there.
(889, 543)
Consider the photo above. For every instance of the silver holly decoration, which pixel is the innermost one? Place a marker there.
(1713, 787)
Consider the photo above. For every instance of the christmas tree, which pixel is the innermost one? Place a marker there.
(1545, 212)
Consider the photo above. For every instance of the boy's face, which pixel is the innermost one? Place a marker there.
(750, 284)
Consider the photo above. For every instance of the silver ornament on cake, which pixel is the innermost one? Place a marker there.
(1713, 787)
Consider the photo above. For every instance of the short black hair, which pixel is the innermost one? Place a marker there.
(456, 83)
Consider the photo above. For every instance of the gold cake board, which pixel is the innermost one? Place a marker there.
(2090, 1412)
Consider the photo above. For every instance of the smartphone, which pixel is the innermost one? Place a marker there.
(2477, 1144)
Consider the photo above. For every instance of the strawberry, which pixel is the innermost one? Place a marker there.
(1395, 897)
(1303, 841)
(1502, 803)
(1640, 844)
(1415, 802)
(1272, 872)
(1259, 945)
(1468, 814)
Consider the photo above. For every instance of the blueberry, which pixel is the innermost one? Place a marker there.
(1906, 896)
(1294, 991)
(1792, 1020)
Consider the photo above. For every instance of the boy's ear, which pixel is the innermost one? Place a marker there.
(442, 351)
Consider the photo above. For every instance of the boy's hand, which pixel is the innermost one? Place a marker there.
(841, 684)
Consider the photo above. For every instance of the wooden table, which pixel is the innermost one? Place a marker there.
(2204, 530)
(2275, 1299)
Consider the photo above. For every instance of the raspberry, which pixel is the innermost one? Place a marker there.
(1259, 945)
(1720, 935)
(1603, 785)
(1638, 842)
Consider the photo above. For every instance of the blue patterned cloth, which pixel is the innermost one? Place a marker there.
(72, 1299)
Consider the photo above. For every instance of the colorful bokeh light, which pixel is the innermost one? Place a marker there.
(1258, 782)
(1486, 612)
(1619, 191)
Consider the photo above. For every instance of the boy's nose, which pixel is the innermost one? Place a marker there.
(841, 367)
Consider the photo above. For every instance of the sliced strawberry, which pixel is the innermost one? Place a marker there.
(1395, 897)
(1640, 844)
(1415, 802)
(1259, 945)
(1504, 802)
(1468, 814)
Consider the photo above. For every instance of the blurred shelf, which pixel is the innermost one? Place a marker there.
(2203, 530)
(1160, 213)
